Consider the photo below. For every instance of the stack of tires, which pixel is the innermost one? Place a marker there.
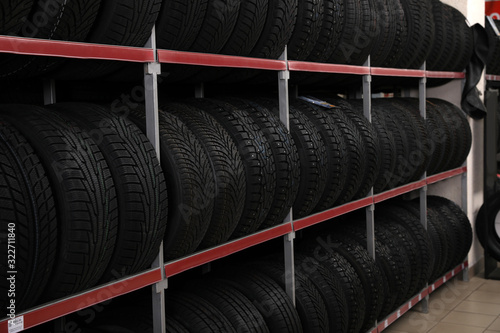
(493, 62)
(339, 286)
(83, 197)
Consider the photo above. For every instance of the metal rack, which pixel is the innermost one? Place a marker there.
(161, 271)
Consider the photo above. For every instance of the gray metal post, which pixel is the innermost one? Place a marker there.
(199, 90)
(49, 92)
(284, 104)
(151, 72)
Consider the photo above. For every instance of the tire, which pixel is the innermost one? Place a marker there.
(14, 13)
(486, 226)
(401, 24)
(313, 159)
(258, 162)
(329, 288)
(444, 37)
(139, 182)
(238, 309)
(174, 326)
(345, 273)
(338, 171)
(420, 33)
(87, 214)
(286, 159)
(196, 314)
(271, 301)
(307, 29)
(465, 42)
(438, 137)
(27, 203)
(310, 305)
(190, 180)
(355, 148)
(228, 170)
(385, 32)
(368, 272)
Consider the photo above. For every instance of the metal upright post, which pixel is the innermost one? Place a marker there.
(284, 104)
(151, 71)
(199, 90)
(49, 92)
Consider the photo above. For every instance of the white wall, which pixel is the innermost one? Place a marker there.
(474, 11)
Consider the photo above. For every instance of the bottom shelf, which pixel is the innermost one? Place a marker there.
(419, 297)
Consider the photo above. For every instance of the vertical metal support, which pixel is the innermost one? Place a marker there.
(151, 72)
(367, 92)
(284, 103)
(370, 230)
(199, 90)
(49, 92)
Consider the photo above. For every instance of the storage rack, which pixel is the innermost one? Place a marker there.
(158, 275)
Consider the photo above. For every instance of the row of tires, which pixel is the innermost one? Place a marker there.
(229, 165)
(339, 287)
(397, 33)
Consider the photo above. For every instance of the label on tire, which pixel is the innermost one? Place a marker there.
(16, 324)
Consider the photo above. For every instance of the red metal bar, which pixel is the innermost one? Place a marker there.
(217, 60)
(379, 71)
(182, 265)
(445, 75)
(61, 308)
(327, 68)
(445, 175)
(44, 47)
(402, 310)
(448, 276)
(330, 214)
(399, 191)
(490, 77)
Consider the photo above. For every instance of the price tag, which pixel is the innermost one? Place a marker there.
(16, 324)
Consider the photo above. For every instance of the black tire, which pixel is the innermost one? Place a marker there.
(368, 272)
(286, 159)
(139, 181)
(228, 170)
(312, 158)
(307, 29)
(345, 273)
(398, 47)
(258, 162)
(386, 30)
(355, 148)
(238, 309)
(338, 170)
(310, 305)
(179, 23)
(486, 229)
(421, 31)
(29, 222)
(196, 314)
(271, 301)
(190, 181)
(329, 288)
(438, 137)
(369, 140)
(464, 40)
(87, 214)
(174, 326)
(14, 13)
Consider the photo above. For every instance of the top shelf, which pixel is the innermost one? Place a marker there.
(78, 50)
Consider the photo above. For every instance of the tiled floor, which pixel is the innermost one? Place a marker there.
(457, 307)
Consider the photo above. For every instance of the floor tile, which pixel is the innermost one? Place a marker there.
(453, 328)
(469, 319)
(495, 326)
(484, 296)
(433, 315)
(488, 331)
(490, 287)
(411, 322)
(479, 307)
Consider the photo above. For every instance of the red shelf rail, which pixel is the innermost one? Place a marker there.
(378, 198)
(491, 77)
(302, 66)
(379, 71)
(46, 313)
(445, 175)
(217, 60)
(444, 75)
(54, 48)
(198, 259)
(448, 276)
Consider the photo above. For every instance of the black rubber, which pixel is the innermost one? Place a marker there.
(330, 289)
(398, 47)
(196, 314)
(29, 225)
(190, 182)
(85, 197)
(310, 305)
(444, 40)
(139, 181)
(385, 16)
(486, 228)
(13, 14)
(237, 308)
(227, 167)
(437, 137)
(464, 36)
(271, 301)
(286, 159)
(312, 158)
(258, 162)
(307, 29)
